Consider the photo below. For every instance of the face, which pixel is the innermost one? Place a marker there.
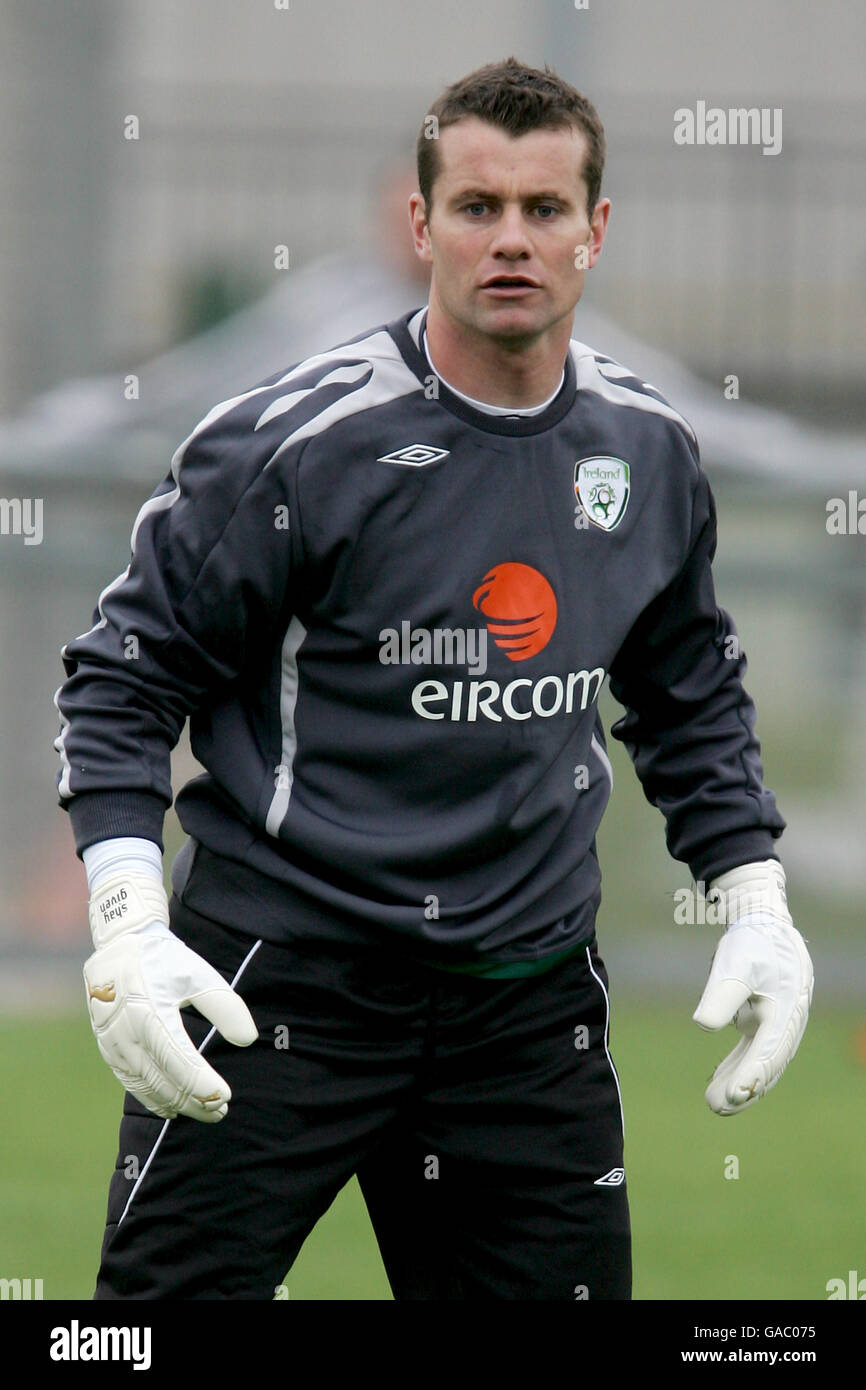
(509, 207)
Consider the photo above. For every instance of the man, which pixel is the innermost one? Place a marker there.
(386, 586)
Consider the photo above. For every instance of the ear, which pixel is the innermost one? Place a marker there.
(420, 227)
(598, 229)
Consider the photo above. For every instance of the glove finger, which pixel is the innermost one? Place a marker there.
(744, 1076)
(166, 1071)
(175, 976)
(716, 1094)
(775, 1042)
(757, 1062)
(748, 1073)
(200, 1093)
(720, 1001)
(228, 1013)
(198, 1090)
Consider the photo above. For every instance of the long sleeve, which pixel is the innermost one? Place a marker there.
(206, 587)
(689, 725)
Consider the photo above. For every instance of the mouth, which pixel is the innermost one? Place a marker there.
(510, 285)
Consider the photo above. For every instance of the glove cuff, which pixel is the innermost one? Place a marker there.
(751, 889)
(124, 903)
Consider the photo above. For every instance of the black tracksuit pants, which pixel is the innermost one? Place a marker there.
(482, 1118)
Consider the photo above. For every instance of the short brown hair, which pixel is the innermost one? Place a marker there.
(517, 98)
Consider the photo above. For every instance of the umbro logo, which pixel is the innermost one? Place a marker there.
(615, 1178)
(415, 455)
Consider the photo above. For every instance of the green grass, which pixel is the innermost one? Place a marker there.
(793, 1219)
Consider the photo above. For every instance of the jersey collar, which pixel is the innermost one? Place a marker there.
(406, 332)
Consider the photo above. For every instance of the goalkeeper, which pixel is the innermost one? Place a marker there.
(386, 586)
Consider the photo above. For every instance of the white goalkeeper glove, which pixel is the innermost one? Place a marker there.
(138, 979)
(761, 979)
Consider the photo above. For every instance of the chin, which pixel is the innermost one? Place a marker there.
(513, 321)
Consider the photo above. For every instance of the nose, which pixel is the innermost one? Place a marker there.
(511, 237)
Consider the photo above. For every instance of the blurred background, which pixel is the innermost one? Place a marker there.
(193, 197)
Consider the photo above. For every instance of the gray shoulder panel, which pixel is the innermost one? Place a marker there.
(372, 367)
(620, 385)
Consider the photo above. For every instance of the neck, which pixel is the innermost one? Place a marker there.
(519, 372)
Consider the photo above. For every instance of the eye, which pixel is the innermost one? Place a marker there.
(470, 206)
(542, 207)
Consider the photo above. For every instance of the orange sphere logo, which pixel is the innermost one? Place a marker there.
(522, 606)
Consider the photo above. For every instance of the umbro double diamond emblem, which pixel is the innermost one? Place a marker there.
(615, 1178)
(415, 455)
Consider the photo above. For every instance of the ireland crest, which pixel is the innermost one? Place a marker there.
(601, 486)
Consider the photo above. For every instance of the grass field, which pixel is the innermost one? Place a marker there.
(793, 1219)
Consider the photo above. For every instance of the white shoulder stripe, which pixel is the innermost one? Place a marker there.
(613, 370)
(284, 403)
(389, 379)
(595, 375)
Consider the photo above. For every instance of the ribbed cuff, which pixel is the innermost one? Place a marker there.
(730, 851)
(107, 815)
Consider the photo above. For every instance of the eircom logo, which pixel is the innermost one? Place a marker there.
(520, 611)
(522, 606)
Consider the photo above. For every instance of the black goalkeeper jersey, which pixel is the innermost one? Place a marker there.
(388, 616)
